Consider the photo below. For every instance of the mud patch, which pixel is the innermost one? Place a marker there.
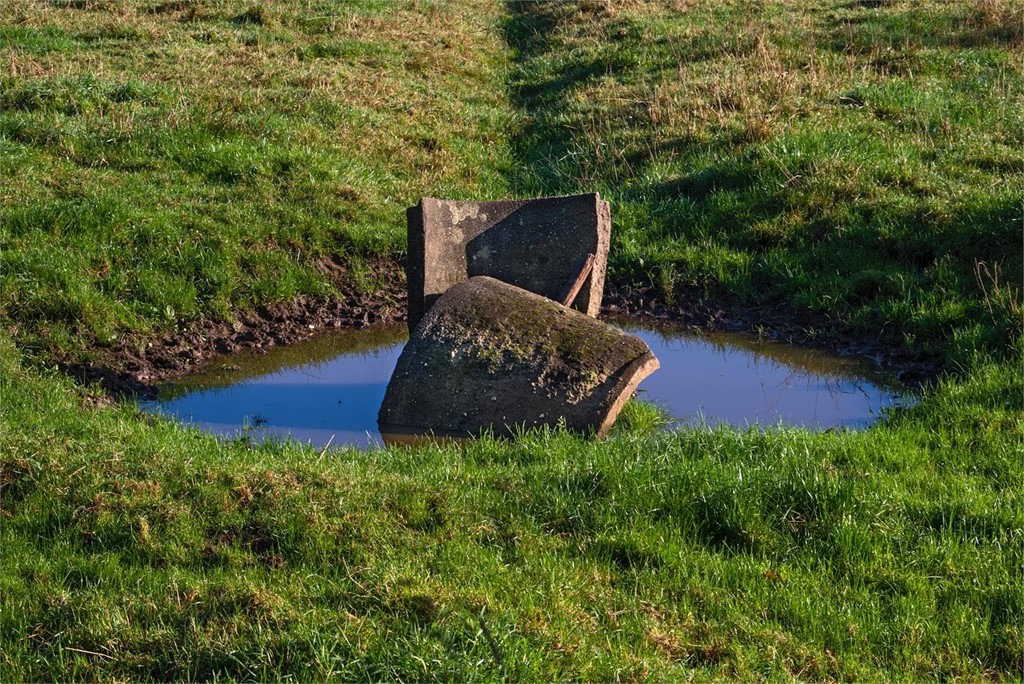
(134, 370)
(703, 311)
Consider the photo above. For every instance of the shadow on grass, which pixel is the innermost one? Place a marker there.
(871, 26)
(819, 223)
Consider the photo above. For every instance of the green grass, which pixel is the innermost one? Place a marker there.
(165, 163)
(893, 553)
(860, 165)
(856, 167)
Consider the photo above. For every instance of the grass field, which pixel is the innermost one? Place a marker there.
(856, 167)
(855, 163)
(166, 162)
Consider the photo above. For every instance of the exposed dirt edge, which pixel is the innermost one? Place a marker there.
(135, 368)
(703, 311)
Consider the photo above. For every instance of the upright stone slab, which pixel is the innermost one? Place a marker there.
(537, 244)
(492, 356)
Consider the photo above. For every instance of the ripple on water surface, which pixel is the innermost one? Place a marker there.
(328, 390)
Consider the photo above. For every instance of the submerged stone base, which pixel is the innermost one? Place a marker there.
(490, 356)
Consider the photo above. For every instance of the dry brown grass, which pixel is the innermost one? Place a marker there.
(997, 17)
(221, 67)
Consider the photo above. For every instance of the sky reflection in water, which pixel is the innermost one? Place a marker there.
(328, 390)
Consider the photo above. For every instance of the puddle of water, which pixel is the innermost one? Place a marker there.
(328, 390)
(741, 380)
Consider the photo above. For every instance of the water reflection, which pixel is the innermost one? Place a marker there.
(739, 379)
(328, 390)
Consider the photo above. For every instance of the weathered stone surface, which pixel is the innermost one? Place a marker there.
(491, 356)
(537, 244)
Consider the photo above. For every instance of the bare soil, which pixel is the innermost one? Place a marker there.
(137, 367)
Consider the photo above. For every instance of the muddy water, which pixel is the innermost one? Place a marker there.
(328, 390)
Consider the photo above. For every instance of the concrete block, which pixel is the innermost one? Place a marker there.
(536, 244)
(492, 356)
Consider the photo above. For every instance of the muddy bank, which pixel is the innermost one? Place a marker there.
(701, 310)
(136, 368)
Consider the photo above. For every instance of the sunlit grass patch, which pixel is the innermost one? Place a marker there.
(701, 552)
(848, 161)
(176, 161)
